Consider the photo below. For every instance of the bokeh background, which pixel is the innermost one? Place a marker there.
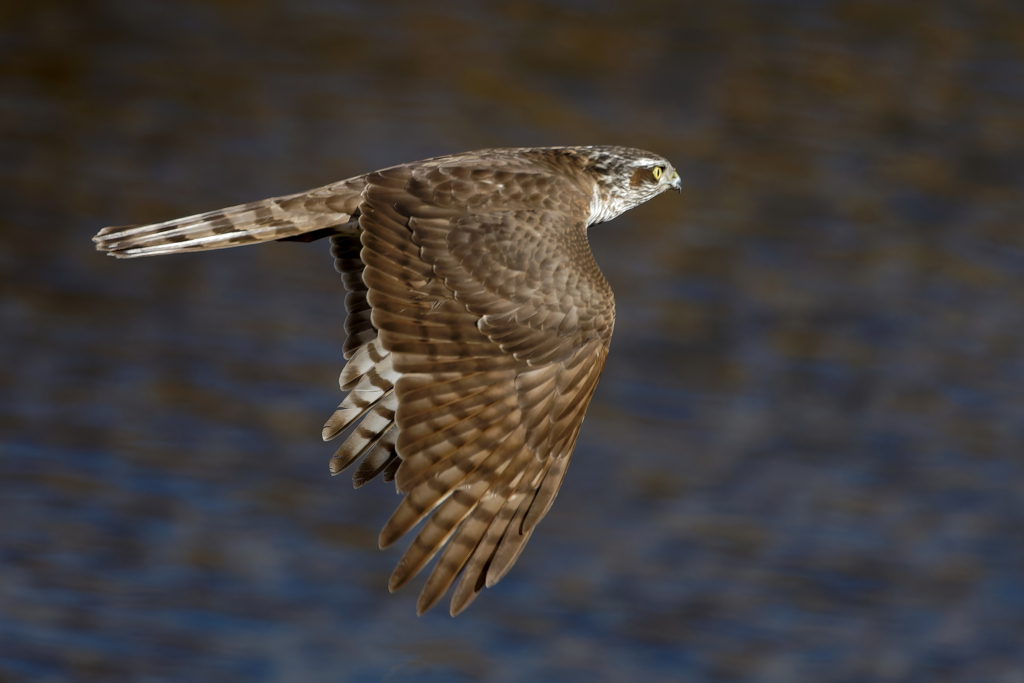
(804, 462)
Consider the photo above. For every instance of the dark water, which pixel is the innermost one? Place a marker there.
(804, 462)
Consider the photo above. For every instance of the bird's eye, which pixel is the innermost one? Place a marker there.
(656, 172)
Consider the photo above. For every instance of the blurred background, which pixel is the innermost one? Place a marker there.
(804, 461)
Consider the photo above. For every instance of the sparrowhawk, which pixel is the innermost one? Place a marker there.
(478, 325)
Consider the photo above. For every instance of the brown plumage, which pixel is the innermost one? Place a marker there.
(478, 325)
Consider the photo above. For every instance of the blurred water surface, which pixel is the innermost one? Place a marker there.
(804, 462)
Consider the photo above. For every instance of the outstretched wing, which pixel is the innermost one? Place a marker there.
(277, 218)
(483, 324)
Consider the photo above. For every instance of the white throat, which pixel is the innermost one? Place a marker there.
(602, 209)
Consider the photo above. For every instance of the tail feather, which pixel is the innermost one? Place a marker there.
(277, 218)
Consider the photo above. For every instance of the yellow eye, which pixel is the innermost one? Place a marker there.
(656, 172)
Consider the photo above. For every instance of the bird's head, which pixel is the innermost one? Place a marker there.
(626, 178)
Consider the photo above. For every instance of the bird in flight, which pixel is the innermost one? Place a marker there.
(478, 325)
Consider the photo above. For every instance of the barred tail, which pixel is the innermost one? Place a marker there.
(290, 217)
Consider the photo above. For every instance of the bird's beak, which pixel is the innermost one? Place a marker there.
(677, 182)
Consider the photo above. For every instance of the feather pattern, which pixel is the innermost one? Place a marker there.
(477, 328)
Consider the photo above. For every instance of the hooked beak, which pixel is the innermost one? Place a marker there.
(677, 182)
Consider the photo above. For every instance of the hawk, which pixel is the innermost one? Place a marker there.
(478, 325)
